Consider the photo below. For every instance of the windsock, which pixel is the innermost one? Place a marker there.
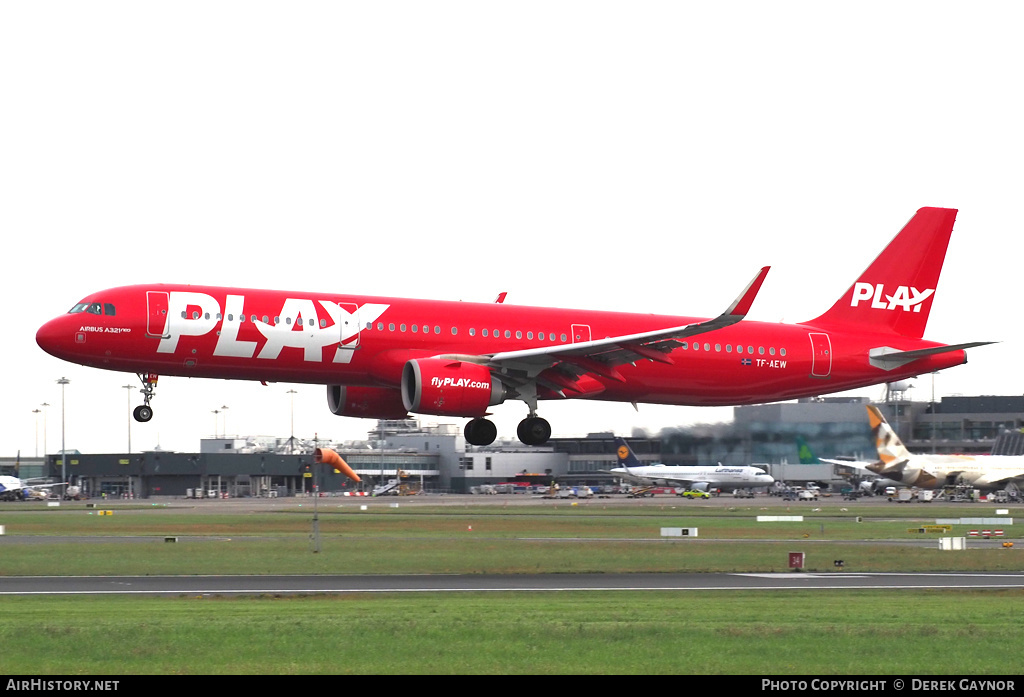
(328, 456)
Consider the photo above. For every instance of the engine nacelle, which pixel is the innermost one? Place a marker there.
(449, 387)
(365, 402)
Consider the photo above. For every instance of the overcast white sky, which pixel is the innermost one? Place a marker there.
(641, 156)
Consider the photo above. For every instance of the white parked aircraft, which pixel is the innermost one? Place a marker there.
(699, 478)
(937, 471)
(12, 488)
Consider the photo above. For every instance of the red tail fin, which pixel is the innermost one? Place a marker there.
(895, 293)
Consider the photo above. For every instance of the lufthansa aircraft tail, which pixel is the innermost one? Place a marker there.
(896, 291)
(625, 454)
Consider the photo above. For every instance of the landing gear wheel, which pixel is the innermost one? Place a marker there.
(143, 413)
(480, 432)
(534, 431)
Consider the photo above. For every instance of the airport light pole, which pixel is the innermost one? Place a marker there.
(46, 443)
(37, 412)
(223, 409)
(129, 388)
(63, 450)
(291, 438)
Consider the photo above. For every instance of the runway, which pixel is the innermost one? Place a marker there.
(297, 585)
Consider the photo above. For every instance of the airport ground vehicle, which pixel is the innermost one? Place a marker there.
(694, 494)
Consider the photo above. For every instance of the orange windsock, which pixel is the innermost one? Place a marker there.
(328, 456)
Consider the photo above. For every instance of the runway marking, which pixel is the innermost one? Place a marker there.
(794, 575)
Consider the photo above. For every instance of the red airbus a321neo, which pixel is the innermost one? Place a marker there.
(386, 357)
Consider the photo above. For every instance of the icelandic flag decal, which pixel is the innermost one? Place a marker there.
(746, 361)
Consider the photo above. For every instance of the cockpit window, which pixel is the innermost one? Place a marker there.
(108, 310)
(91, 308)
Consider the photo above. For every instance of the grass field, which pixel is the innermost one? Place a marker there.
(736, 633)
(713, 632)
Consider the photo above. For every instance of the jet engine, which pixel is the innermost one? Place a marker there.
(449, 387)
(365, 402)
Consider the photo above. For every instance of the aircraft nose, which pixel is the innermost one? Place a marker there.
(52, 336)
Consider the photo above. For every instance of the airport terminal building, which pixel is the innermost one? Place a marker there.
(436, 458)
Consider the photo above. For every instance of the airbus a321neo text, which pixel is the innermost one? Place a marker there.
(383, 358)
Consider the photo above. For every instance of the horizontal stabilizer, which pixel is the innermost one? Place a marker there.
(888, 358)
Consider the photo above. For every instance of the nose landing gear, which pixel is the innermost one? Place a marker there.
(144, 412)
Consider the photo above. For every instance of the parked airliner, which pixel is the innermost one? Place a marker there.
(699, 478)
(13, 488)
(386, 357)
(936, 471)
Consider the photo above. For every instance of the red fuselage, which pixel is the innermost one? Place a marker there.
(277, 336)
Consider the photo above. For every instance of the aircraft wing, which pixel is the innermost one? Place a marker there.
(559, 367)
(28, 485)
(650, 479)
(861, 466)
(1001, 477)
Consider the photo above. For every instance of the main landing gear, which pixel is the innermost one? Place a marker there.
(144, 412)
(480, 432)
(532, 430)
